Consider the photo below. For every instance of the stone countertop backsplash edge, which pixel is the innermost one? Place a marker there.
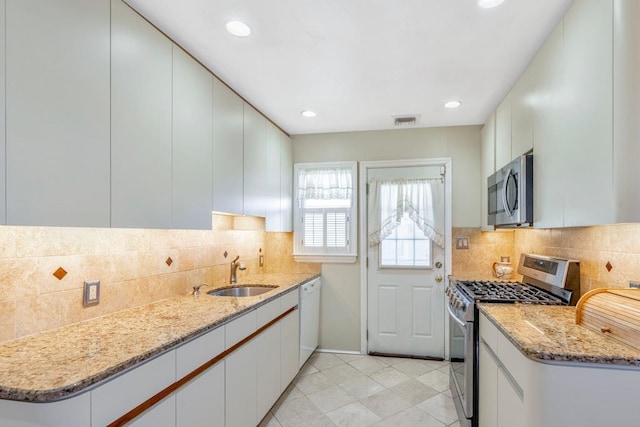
(549, 334)
(64, 362)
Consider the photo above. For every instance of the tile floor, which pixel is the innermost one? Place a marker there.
(335, 389)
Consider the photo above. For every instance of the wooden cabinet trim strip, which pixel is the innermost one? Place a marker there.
(141, 408)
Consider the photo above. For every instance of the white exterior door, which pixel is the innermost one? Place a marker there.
(405, 283)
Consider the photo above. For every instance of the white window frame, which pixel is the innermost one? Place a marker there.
(325, 255)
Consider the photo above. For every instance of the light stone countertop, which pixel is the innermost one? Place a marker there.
(60, 363)
(549, 334)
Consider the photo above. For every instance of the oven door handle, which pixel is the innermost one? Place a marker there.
(454, 317)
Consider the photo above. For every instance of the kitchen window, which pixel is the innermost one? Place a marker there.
(325, 212)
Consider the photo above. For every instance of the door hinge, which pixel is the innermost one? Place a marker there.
(367, 184)
(367, 262)
(367, 335)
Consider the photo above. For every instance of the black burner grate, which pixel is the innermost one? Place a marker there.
(507, 292)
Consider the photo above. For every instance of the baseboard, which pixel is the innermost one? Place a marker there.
(327, 350)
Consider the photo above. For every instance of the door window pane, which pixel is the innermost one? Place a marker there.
(406, 247)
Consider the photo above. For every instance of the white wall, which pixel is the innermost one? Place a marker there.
(340, 305)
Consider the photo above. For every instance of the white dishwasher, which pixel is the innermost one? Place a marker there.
(309, 318)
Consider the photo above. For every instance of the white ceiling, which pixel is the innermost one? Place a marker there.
(357, 63)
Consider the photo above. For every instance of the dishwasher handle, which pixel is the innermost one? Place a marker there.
(311, 287)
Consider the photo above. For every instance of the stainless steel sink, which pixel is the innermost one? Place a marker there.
(242, 291)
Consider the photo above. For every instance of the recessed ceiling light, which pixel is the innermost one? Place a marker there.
(308, 113)
(488, 4)
(238, 29)
(453, 104)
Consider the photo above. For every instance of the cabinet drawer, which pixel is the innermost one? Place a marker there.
(199, 351)
(240, 328)
(512, 360)
(268, 312)
(120, 395)
(489, 333)
(290, 299)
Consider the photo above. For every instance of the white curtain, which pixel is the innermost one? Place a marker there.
(421, 199)
(324, 184)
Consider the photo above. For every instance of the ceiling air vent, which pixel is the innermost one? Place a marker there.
(405, 121)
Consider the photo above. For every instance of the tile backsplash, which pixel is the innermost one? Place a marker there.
(594, 247)
(131, 265)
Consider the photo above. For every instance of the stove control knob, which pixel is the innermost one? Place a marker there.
(447, 291)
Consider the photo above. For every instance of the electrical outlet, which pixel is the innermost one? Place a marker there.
(91, 293)
(462, 243)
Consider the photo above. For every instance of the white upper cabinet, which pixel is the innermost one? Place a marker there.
(279, 180)
(487, 153)
(522, 114)
(588, 100)
(141, 78)
(255, 157)
(228, 168)
(503, 133)
(286, 183)
(549, 164)
(192, 143)
(273, 220)
(57, 112)
(626, 109)
(3, 210)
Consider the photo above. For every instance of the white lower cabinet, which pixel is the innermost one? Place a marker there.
(117, 397)
(516, 391)
(240, 384)
(290, 348)
(488, 387)
(71, 412)
(268, 387)
(162, 414)
(202, 401)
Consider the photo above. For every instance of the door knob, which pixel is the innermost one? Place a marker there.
(438, 278)
(438, 264)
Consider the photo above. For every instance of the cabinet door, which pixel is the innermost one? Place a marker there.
(626, 108)
(550, 153)
(268, 387)
(57, 113)
(122, 394)
(192, 143)
(254, 162)
(240, 386)
(503, 133)
(522, 113)
(286, 183)
(162, 414)
(290, 348)
(201, 402)
(75, 411)
(487, 388)
(273, 185)
(228, 169)
(588, 48)
(511, 411)
(487, 152)
(3, 207)
(140, 122)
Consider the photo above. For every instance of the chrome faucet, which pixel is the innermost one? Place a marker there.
(235, 264)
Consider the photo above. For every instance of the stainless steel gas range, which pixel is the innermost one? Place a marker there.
(546, 280)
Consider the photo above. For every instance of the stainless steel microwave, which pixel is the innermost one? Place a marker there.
(510, 194)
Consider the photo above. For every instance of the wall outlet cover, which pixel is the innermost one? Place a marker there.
(91, 294)
(462, 243)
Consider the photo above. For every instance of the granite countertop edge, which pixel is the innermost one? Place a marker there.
(90, 382)
(596, 355)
